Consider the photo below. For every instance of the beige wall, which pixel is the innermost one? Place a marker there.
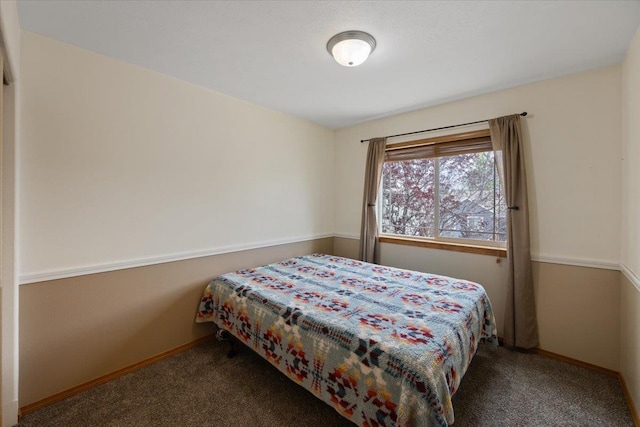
(10, 51)
(567, 297)
(572, 150)
(121, 165)
(578, 312)
(631, 158)
(630, 260)
(77, 329)
(346, 247)
(123, 170)
(630, 338)
(8, 279)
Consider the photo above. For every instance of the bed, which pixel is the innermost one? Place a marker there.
(383, 346)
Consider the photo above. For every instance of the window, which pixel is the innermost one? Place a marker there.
(445, 189)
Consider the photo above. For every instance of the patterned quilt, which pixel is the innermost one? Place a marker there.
(383, 346)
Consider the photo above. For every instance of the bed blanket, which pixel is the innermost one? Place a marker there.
(383, 346)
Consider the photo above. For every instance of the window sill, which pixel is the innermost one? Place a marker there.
(457, 247)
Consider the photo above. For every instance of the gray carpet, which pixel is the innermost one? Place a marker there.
(202, 387)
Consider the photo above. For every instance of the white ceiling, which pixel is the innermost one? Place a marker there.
(273, 53)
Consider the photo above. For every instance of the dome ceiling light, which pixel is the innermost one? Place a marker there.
(351, 48)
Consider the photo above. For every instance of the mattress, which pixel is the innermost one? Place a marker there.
(383, 346)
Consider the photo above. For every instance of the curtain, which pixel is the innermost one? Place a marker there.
(520, 323)
(369, 245)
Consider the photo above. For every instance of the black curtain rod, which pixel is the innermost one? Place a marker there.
(443, 127)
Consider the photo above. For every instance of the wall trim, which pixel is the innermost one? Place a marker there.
(347, 236)
(109, 377)
(631, 276)
(141, 262)
(25, 279)
(578, 262)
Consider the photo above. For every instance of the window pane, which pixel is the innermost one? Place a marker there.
(469, 206)
(408, 198)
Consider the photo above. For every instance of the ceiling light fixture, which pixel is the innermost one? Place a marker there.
(351, 48)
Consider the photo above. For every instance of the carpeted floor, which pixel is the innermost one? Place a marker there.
(202, 387)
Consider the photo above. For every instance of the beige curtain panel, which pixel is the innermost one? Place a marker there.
(520, 323)
(369, 244)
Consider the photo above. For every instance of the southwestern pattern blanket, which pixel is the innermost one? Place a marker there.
(383, 346)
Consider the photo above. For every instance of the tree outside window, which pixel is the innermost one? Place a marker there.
(450, 197)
